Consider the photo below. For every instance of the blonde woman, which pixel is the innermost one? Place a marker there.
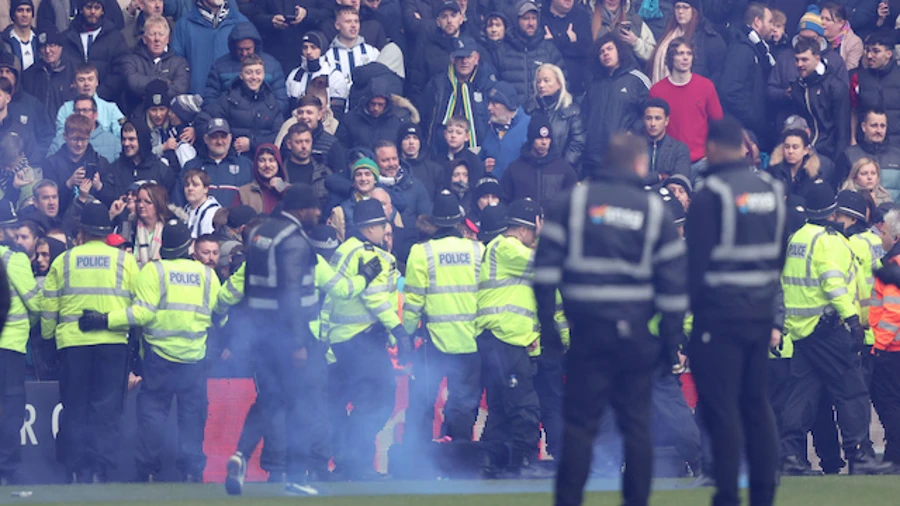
(553, 98)
(865, 176)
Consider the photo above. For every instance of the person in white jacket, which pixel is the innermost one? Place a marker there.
(315, 70)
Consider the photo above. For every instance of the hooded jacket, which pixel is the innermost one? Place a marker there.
(566, 127)
(810, 172)
(226, 69)
(879, 89)
(824, 101)
(284, 44)
(541, 179)
(124, 172)
(139, 68)
(430, 58)
(742, 82)
(518, 58)
(105, 53)
(52, 86)
(614, 103)
(418, 201)
(359, 128)
(258, 194)
(255, 115)
(201, 44)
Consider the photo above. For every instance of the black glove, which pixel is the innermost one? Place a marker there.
(857, 332)
(404, 344)
(550, 338)
(370, 270)
(92, 320)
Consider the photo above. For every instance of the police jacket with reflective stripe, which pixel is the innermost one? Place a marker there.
(884, 315)
(93, 277)
(819, 276)
(377, 305)
(863, 248)
(24, 298)
(174, 301)
(506, 304)
(735, 240)
(442, 289)
(615, 254)
(280, 283)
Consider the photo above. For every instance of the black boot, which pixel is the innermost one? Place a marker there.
(863, 463)
(794, 466)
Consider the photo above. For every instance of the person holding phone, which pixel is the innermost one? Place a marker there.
(616, 16)
(68, 167)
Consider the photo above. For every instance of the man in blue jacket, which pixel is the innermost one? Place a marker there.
(201, 37)
(508, 129)
(227, 171)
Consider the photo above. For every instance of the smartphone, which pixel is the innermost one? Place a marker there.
(625, 26)
(90, 168)
(290, 19)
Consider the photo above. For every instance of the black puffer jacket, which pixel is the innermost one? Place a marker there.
(566, 127)
(879, 89)
(574, 53)
(613, 104)
(123, 172)
(139, 68)
(709, 50)
(518, 58)
(105, 53)
(359, 128)
(824, 101)
(255, 115)
(430, 58)
(51, 86)
(742, 82)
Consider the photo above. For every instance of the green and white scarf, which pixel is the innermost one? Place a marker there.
(461, 90)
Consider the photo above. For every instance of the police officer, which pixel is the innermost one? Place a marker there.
(174, 300)
(441, 291)
(93, 365)
(508, 330)
(358, 330)
(614, 252)
(21, 298)
(820, 293)
(279, 293)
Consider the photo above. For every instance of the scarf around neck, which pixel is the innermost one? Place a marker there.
(461, 92)
(148, 243)
(836, 42)
(214, 18)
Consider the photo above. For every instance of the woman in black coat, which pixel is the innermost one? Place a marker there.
(799, 168)
(566, 125)
(688, 22)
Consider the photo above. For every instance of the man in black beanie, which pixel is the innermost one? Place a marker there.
(92, 38)
(414, 150)
(19, 36)
(50, 78)
(538, 173)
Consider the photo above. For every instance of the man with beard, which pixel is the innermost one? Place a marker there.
(524, 50)
(92, 38)
(137, 163)
(206, 250)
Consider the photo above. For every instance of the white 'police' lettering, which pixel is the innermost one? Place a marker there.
(184, 278)
(454, 258)
(797, 250)
(92, 262)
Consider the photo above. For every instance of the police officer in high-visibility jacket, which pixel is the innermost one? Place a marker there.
(885, 319)
(93, 365)
(280, 296)
(441, 291)
(507, 322)
(822, 319)
(174, 301)
(359, 330)
(613, 251)
(17, 303)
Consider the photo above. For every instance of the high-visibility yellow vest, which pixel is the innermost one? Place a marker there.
(442, 286)
(562, 326)
(24, 298)
(93, 277)
(174, 301)
(863, 248)
(377, 304)
(819, 276)
(506, 304)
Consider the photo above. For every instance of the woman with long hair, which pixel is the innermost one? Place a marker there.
(689, 23)
(865, 177)
(553, 98)
(151, 212)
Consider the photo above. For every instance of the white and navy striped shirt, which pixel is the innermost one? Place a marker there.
(344, 59)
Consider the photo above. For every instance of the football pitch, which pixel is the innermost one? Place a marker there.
(819, 491)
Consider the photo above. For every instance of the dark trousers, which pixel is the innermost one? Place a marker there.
(12, 409)
(463, 373)
(549, 385)
(162, 381)
(825, 437)
(298, 389)
(364, 364)
(92, 386)
(730, 367)
(673, 419)
(513, 418)
(604, 366)
(886, 396)
(270, 427)
(779, 387)
(825, 364)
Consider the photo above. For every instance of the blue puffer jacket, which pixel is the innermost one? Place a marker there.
(227, 68)
(506, 150)
(413, 191)
(196, 40)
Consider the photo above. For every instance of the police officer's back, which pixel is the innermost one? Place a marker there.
(735, 235)
(100, 278)
(614, 253)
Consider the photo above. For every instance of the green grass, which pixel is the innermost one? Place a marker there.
(821, 491)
